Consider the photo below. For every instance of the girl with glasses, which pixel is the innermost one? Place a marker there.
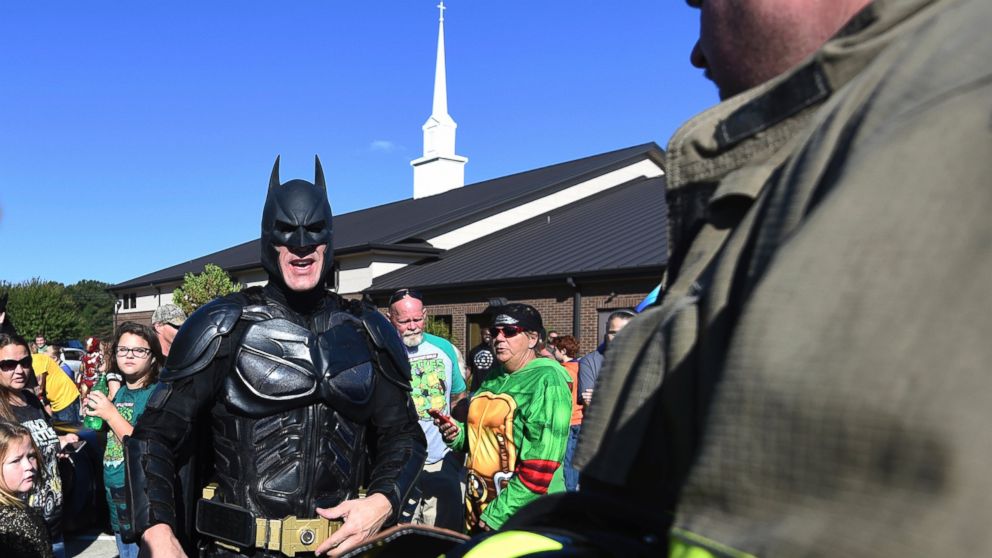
(20, 405)
(137, 357)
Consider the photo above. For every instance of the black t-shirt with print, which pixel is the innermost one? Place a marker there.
(47, 494)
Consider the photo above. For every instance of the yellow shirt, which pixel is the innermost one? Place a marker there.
(59, 388)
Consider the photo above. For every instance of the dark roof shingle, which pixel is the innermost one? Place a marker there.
(622, 229)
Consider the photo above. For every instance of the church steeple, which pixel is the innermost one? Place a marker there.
(440, 111)
(439, 170)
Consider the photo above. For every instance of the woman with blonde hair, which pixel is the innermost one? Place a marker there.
(22, 530)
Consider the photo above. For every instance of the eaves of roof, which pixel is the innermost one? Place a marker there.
(382, 248)
(614, 233)
(422, 218)
(238, 258)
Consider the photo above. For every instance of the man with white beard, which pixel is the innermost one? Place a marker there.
(438, 385)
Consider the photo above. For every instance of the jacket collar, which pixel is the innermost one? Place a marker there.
(752, 126)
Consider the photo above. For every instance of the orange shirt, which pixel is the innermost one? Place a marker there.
(573, 372)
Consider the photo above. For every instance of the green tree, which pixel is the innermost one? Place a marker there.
(96, 308)
(43, 307)
(199, 289)
(437, 326)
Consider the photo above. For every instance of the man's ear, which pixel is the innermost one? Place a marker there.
(536, 337)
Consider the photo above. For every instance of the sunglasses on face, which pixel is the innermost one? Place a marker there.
(9, 365)
(398, 296)
(508, 331)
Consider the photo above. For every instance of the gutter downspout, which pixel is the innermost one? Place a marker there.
(576, 309)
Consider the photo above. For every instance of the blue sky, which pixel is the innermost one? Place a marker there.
(138, 135)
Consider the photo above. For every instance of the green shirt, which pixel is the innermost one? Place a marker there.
(517, 430)
(130, 404)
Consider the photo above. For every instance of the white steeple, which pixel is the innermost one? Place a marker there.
(439, 170)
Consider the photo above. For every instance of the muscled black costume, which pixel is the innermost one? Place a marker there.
(301, 389)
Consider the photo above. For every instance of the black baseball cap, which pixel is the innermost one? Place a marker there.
(523, 315)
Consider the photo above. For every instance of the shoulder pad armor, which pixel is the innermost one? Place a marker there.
(199, 339)
(389, 346)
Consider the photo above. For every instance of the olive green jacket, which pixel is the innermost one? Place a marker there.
(817, 379)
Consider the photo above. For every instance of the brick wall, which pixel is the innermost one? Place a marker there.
(139, 317)
(554, 302)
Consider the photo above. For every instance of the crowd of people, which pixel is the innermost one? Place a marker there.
(512, 440)
(43, 395)
(799, 389)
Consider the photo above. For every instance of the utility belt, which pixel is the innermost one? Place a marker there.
(482, 489)
(237, 529)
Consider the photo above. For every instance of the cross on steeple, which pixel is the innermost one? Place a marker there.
(440, 169)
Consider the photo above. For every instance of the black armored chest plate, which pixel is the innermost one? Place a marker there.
(280, 365)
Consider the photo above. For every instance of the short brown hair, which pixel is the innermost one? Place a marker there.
(146, 333)
(568, 345)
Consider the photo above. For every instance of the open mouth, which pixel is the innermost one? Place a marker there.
(301, 264)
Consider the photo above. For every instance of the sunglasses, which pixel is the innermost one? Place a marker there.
(10, 364)
(508, 331)
(398, 296)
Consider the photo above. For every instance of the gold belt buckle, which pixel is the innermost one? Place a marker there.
(290, 535)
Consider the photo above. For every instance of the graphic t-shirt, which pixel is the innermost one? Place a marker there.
(516, 434)
(46, 497)
(435, 376)
(481, 360)
(130, 404)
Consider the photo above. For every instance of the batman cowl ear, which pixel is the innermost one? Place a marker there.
(274, 178)
(318, 174)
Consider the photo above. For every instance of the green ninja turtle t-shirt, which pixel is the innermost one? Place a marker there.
(516, 435)
(435, 377)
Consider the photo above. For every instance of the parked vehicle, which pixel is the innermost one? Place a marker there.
(73, 357)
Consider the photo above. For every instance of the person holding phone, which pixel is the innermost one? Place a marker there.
(138, 359)
(438, 386)
(518, 423)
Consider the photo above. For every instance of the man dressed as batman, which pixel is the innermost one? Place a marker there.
(304, 394)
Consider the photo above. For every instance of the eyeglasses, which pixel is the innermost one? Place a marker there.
(138, 352)
(9, 365)
(508, 331)
(398, 296)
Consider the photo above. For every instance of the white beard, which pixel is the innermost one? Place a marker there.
(413, 339)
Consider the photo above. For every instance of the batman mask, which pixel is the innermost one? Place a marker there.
(296, 214)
